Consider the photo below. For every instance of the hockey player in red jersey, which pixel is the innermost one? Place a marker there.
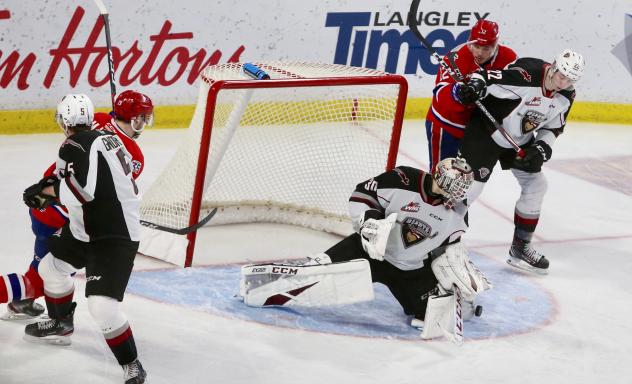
(447, 116)
(133, 111)
(531, 100)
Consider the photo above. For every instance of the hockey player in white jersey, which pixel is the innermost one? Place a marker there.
(531, 100)
(408, 227)
(94, 181)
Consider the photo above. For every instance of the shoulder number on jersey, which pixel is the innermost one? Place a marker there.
(494, 74)
(371, 185)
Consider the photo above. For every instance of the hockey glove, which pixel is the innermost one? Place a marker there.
(454, 267)
(34, 197)
(474, 89)
(535, 155)
(374, 235)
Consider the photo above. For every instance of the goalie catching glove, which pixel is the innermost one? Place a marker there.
(454, 267)
(374, 234)
(34, 197)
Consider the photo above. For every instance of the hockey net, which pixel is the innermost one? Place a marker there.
(287, 150)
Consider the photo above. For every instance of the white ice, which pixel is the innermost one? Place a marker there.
(585, 230)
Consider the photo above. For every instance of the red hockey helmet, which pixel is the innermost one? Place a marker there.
(484, 32)
(135, 108)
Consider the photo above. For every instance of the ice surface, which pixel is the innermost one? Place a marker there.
(572, 326)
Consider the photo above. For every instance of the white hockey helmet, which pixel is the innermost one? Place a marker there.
(75, 111)
(570, 64)
(454, 177)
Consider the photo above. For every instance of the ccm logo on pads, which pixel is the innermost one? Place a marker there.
(285, 270)
(91, 278)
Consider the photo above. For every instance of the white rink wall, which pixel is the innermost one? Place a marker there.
(48, 48)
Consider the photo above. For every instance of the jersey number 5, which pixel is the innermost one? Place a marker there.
(126, 168)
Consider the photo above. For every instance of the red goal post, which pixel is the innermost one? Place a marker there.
(288, 150)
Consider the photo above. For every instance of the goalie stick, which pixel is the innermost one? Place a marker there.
(180, 231)
(108, 42)
(456, 334)
(456, 74)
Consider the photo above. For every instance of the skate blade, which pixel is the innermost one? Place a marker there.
(62, 341)
(522, 265)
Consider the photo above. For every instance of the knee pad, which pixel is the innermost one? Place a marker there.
(533, 187)
(56, 275)
(107, 313)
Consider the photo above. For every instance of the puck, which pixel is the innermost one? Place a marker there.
(478, 311)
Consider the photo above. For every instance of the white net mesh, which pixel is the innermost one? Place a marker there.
(291, 154)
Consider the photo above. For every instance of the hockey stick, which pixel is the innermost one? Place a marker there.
(456, 74)
(108, 42)
(456, 336)
(180, 231)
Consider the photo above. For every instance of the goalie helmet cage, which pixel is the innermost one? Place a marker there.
(290, 149)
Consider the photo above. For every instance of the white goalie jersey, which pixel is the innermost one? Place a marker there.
(423, 223)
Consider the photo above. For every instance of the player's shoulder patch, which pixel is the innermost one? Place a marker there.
(402, 177)
(408, 176)
(530, 69)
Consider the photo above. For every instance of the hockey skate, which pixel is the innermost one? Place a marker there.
(134, 373)
(53, 331)
(523, 256)
(23, 310)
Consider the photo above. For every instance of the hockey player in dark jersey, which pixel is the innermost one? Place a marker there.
(408, 225)
(133, 112)
(531, 100)
(94, 181)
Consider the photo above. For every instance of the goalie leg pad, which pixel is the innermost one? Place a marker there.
(444, 317)
(266, 285)
(438, 316)
(454, 268)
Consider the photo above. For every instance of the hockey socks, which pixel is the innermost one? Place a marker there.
(525, 225)
(121, 342)
(14, 287)
(59, 305)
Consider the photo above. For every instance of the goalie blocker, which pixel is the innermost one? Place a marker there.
(264, 285)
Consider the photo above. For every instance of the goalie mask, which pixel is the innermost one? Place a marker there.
(134, 108)
(453, 177)
(76, 112)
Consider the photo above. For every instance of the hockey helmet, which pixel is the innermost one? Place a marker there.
(484, 32)
(570, 64)
(454, 177)
(75, 111)
(134, 108)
